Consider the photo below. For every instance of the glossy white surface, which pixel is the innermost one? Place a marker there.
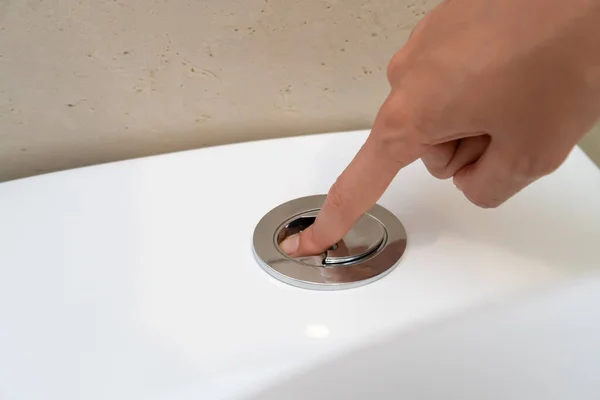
(137, 280)
(545, 345)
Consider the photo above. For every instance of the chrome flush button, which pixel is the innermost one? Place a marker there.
(368, 252)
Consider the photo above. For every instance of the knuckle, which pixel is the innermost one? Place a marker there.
(398, 137)
(335, 197)
(529, 168)
(446, 173)
(549, 165)
(523, 169)
(477, 196)
(436, 171)
(393, 113)
(391, 69)
(398, 149)
(482, 201)
(401, 117)
(408, 108)
(439, 160)
(397, 66)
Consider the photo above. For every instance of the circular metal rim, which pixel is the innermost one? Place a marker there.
(295, 273)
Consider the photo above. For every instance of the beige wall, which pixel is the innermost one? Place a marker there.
(591, 144)
(90, 81)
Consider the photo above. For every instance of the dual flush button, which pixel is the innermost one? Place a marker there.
(368, 252)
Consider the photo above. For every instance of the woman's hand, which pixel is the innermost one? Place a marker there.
(494, 93)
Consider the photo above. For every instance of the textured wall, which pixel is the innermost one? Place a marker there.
(591, 144)
(89, 81)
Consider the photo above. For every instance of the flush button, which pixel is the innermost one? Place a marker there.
(363, 239)
(368, 252)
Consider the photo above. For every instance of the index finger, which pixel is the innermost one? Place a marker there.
(358, 188)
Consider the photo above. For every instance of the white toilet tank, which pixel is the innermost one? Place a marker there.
(138, 280)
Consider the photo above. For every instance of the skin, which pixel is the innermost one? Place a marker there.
(492, 93)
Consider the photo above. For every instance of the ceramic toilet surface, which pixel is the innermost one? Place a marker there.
(137, 279)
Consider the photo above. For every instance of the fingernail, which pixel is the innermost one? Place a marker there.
(290, 244)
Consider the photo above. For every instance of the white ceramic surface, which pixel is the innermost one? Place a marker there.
(543, 345)
(136, 279)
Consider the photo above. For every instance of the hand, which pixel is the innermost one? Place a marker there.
(493, 93)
